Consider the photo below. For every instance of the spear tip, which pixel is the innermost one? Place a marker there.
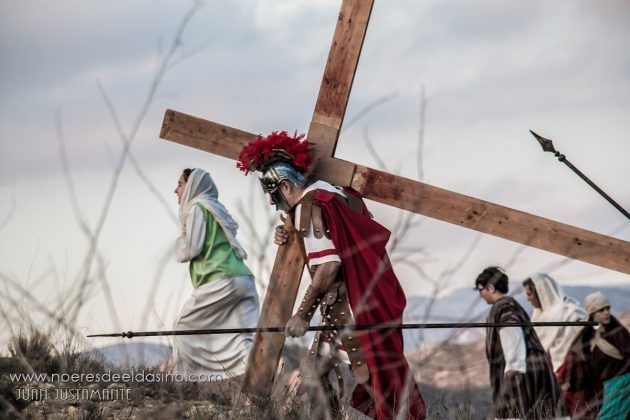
(546, 144)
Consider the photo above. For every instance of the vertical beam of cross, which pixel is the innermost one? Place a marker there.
(324, 130)
(341, 65)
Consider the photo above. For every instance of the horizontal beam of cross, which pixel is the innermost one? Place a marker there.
(421, 198)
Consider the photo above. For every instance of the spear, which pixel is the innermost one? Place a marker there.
(377, 327)
(547, 146)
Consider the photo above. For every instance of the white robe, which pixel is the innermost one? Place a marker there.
(556, 306)
(223, 303)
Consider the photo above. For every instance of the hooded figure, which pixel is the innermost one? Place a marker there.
(598, 365)
(224, 294)
(555, 306)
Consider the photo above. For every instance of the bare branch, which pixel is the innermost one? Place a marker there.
(36, 303)
(83, 225)
(514, 257)
(152, 188)
(190, 53)
(370, 147)
(419, 155)
(5, 221)
(367, 109)
(164, 62)
(157, 279)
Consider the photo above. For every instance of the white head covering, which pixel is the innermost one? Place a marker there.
(200, 189)
(555, 306)
(595, 301)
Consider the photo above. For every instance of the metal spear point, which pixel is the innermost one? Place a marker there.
(547, 146)
(131, 334)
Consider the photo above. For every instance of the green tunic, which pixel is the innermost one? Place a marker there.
(217, 259)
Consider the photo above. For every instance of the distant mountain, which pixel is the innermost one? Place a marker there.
(465, 305)
(133, 354)
(619, 297)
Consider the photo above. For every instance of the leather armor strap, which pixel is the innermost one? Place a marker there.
(304, 224)
(319, 227)
(312, 299)
(311, 217)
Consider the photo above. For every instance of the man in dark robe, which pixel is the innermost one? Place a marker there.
(353, 281)
(523, 382)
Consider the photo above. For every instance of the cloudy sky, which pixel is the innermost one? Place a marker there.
(491, 70)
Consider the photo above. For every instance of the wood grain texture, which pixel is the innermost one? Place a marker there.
(276, 311)
(493, 219)
(204, 135)
(335, 171)
(340, 69)
(324, 138)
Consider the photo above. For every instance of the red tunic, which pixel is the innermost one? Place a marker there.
(376, 297)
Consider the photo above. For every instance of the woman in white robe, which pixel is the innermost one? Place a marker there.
(551, 304)
(224, 293)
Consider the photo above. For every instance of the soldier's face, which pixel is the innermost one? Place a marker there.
(285, 197)
(277, 200)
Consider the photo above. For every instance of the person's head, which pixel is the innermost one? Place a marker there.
(283, 162)
(284, 184)
(531, 293)
(181, 184)
(598, 308)
(492, 284)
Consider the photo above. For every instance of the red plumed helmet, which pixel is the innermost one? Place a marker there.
(278, 146)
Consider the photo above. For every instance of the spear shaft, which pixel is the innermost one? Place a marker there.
(376, 327)
(547, 146)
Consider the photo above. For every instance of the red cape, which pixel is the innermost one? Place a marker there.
(375, 298)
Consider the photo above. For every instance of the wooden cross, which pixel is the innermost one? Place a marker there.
(375, 185)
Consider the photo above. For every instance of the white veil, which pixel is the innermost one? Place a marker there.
(200, 189)
(556, 306)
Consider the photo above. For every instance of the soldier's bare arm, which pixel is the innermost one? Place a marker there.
(323, 279)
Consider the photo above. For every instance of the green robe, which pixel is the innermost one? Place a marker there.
(217, 259)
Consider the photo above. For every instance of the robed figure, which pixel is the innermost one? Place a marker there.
(522, 379)
(551, 304)
(598, 365)
(224, 292)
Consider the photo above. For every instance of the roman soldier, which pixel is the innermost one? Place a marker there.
(353, 282)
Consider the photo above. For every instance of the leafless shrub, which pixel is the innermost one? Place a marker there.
(35, 349)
